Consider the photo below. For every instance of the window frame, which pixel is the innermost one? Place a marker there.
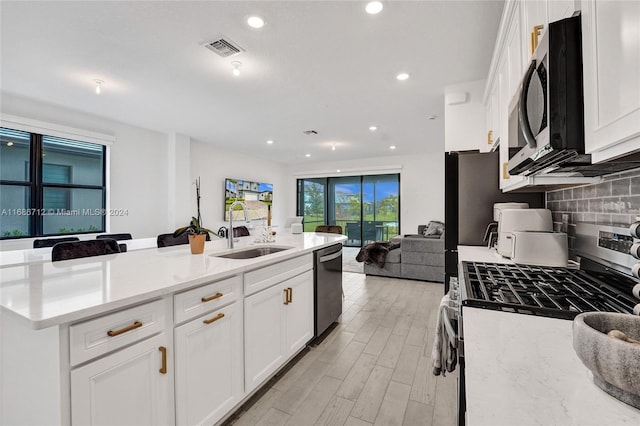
(37, 130)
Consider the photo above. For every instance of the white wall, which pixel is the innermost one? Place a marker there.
(465, 123)
(138, 165)
(421, 183)
(214, 164)
(144, 161)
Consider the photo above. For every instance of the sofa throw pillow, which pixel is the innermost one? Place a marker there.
(434, 227)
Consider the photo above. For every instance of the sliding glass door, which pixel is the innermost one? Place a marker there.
(312, 203)
(381, 207)
(366, 207)
(345, 206)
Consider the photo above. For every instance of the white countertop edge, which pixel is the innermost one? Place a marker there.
(244, 265)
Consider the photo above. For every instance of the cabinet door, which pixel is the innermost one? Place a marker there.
(534, 14)
(559, 9)
(209, 369)
(611, 60)
(126, 387)
(299, 312)
(263, 335)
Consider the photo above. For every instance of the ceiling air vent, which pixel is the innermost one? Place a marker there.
(224, 47)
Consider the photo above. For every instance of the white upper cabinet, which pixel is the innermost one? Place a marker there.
(559, 9)
(611, 60)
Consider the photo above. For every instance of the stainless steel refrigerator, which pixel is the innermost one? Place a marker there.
(471, 188)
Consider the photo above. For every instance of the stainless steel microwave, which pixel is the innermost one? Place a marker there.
(546, 118)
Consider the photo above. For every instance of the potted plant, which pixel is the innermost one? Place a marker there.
(197, 233)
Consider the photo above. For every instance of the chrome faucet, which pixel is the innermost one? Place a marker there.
(230, 232)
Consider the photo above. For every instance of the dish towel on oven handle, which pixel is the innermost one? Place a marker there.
(444, 353)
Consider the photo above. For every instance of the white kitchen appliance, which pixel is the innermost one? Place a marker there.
(512, 220)
(539, 248)
(497, 207)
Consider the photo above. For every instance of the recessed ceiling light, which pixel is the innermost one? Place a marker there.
(98, 86)
(270, 142)
(307, 155)
(338, 171)
(402, 76)
(373, 128)
(255, 22)
(333, 147)
(373, 7)
(392, 147)
(236, 67)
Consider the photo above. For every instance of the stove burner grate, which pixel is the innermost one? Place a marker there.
(549, 291)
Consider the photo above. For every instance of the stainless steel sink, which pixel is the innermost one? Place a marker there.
(251, 252)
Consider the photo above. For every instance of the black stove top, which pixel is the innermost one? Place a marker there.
(546, 291)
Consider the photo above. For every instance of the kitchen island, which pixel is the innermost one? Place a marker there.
(128, 336)
(522, 369)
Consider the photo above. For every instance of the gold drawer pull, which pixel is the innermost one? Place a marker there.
(505, 171)
(133, 326)
(490, 137)
(290, 295)
(214, 319)
(210, 298)
(163, 351)
(286, 296)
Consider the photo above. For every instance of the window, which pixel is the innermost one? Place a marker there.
(367, 207)
(50, 185)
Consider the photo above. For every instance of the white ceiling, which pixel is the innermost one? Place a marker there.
(321, 65)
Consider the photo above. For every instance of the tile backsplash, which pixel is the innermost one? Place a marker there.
(614, 201)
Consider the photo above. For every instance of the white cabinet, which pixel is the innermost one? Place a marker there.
(209, 368)
(299, 312)
(131, 386)
(278, 323)
(611, 60)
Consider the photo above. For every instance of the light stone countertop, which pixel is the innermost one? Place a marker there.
(522, 369)
(46, 293)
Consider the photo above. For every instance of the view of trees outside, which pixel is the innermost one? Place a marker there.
(377, 198)
(314, 203)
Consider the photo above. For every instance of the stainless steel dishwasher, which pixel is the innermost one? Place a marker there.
(327, 287)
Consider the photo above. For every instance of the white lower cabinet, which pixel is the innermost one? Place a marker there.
(209, 367)
(278, 323)
(132, 386)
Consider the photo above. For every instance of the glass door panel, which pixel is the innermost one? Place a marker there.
(311, 202)
(381, 207)
(345, 207)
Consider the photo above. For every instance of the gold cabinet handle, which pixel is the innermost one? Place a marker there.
(112, 333)
(163, 351)
(210, 298)
(534, 37)
(505, 171)
(490, 137)
(286, 296)
(214, 319)
(290, 295)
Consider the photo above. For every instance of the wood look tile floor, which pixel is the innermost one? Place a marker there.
(374, 368)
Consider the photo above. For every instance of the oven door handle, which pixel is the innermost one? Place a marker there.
(522, 107)
(453, 337)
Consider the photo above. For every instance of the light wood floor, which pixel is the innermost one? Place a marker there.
(374, 368)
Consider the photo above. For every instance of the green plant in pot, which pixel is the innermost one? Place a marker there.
(197, 233)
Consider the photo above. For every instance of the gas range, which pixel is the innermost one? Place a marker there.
(603, 282)
(551, 292)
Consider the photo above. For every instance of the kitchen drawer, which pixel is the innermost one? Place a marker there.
(201, 300)
(96, 337)
(273, 274)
